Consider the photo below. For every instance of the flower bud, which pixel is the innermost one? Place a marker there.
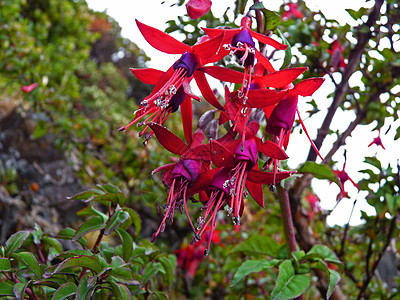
(198, 8)
(282, 117)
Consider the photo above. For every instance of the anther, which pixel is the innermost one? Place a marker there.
(272, 188)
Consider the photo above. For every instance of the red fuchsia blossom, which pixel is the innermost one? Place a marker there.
(314, 202)
(239, 42)
(179, 177)
(377, 141)
(292, 12)
(343, 177)
(198, 8)
(337, 60)
(29, 88)
(237, 167)
(172, 87)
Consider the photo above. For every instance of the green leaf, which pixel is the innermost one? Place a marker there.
(392, 203)
(116, 220)
(252, 266)
(169, 265)
(29, 261)
(5, 264)
(374, 162)
(258, 245)
(109, 188)
(326, 252)
(40, 129)
(127, 243)
(289, 285)
(319, 171)
(334, 278)
(15, 241)
(271, 19)
(288, 51)
(84, 289)
(6, 289)
(91, 224)
(90, 211)
(137, 222)
(83, 261)
(120, 291)
(68, 234)
(37, 234)
(20, 288)
(64, 291)
(123, 275)
(85, 196)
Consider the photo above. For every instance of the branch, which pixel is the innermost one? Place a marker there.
(343, 86)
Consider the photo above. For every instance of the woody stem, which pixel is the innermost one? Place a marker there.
(287, 218)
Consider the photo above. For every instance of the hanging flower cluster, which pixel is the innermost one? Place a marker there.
(221, 171)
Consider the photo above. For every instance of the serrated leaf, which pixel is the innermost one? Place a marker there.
(127, 243)
(83, 261)
(6, 289)
(64, 291)
(15, 241)
(258, 245)
(334, 278)
(319, 171)
(30, 262)
(91, 224)
(288, 284)
(252, 266)
(5, 264)
(116, 220)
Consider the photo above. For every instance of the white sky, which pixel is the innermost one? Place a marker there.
(155, 13)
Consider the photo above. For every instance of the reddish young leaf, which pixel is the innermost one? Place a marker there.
(307, 87)
(259, 177)
(267, 40)
(169, 140)
(256, 192)
(223, 74)
(147, 75)
(206, 90)
(161, 41)
(187, 119)
(282, 78)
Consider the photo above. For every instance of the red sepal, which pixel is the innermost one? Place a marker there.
(307, 87)
(264, 62)
(223, 74)
(281, 78)
(147, 75)
(198, 138)
(271, 149)
(220, 155)
(161, 41)
(256, 192)
(169, 140)
(229, 33)
(259, 177)
(259, 98)
(202, 182)
(163, 79)
(208, 49)
(267, 40)
(205, 90)
(200, 152)
(187, 119)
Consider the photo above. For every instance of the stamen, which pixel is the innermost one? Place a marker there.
(236, 220)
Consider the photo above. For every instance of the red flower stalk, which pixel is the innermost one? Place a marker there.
(377, 141)
(237, 164)
(292, 12)
(29, 88)
(180, 176)
(239, 42)
(172, 87)
(198, 8)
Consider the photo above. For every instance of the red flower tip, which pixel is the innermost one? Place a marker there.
(198, 8)
(29, 88)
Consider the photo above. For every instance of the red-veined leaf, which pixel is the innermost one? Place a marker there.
(160, 40)
(169, 140)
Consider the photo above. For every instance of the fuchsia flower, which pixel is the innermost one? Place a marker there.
(239, 42)
(377, 141)
(179, 177)
(198, 8)
(292, 12)
(172, 87)
(314, 202)
(237, 165)
(343, 177)
(337, 60)
(29, 88)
